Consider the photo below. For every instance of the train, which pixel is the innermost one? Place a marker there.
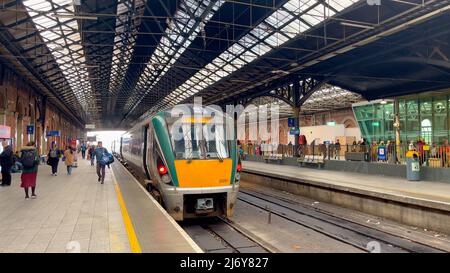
(190, 176)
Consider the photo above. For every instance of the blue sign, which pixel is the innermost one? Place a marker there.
(382, 153)
(291, 122)
(294, 131)
(53, 133)
(30, 129)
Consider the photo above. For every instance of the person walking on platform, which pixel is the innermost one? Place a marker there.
(53, 159)
(30, 160)
(92, 154)
(83, 150)
(337, 147)
(99, 152)
(70, 158)
(6, 162)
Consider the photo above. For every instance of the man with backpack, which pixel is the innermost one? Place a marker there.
(30, 160)
(53, 159)
(6, 162)
(103, 158)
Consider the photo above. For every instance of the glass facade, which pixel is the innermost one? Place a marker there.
(425, 116)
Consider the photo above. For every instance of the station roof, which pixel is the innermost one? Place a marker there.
(110, 61)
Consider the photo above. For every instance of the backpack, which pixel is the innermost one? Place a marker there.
(106, 159)
(28, 158)
(9, 158)
(53, 154)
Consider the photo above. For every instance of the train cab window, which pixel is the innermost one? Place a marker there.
(199, 140)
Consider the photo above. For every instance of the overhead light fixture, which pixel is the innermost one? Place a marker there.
(73, 16)
(383, 102)
(242, 81)
(357, 25)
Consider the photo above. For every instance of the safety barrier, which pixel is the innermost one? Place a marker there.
(435, 156)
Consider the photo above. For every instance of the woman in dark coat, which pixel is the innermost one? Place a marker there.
(53, 159)
(6, 162)
(30, 161)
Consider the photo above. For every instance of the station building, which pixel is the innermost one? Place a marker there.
(424, 116)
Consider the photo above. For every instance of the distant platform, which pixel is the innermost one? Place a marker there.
(419, 203)
(75, 213)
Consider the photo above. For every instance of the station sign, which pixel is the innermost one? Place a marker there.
(5, 132)
(382, 153)
(331, 123)
(30, 129)
(291, 122)
(53, 133)
(90, 126)
(92, 138)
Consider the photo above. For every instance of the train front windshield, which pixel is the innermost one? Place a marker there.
(198, 139)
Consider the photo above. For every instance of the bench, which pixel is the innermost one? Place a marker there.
(311, 160)
(273, 157)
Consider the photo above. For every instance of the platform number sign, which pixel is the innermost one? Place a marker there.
(382, 153)
(291, 122)
(30, 129)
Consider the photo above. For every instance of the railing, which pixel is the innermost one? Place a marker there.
(437, 156)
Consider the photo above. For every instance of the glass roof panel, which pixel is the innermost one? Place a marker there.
(277, 29)
(187, 30)
(315, 15)
(73, 69)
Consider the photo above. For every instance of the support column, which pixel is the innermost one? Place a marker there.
(296, 98)
(3, 116)
(397, 149)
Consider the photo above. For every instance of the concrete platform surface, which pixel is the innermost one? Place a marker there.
(424, 193)
(75, 213)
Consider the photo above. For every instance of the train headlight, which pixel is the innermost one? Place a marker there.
(166, 179)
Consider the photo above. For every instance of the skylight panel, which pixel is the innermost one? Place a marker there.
(340, 5)
(261, 31)
(315, 15)
(261, 49)
(59, 29)
(249, 48)
(278, 18)
(294, 28)
(184, 25)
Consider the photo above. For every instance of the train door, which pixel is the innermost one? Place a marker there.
(145, 150)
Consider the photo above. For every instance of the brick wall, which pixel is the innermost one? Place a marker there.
(19, 108)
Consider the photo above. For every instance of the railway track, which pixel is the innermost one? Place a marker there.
(219, 235)
(351, 233)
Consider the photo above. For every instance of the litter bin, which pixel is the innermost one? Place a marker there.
(412, 166)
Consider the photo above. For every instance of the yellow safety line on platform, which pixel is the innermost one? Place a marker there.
(134, 243)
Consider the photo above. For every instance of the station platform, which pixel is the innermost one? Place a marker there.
(76, 213)
(420, 203)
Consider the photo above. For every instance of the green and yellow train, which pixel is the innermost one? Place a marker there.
(190, 176)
